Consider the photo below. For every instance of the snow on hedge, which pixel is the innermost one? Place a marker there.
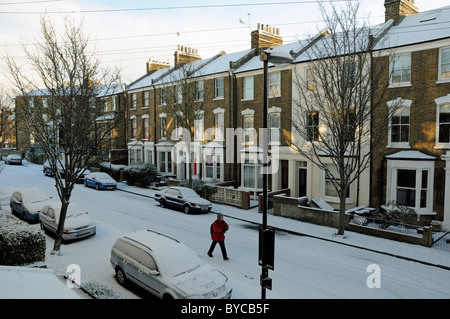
(20, 244)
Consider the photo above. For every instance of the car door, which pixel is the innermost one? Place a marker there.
(170, 197)
(178, 198)
(149, 274)
(16, 203)
(49, 219)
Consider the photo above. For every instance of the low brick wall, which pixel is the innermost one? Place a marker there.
(231, 196)
(289, 207)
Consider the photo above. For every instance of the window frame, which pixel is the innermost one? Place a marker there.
(274, 84)
(393, 59)
(440, 77)
(219, 91)
(248, 91)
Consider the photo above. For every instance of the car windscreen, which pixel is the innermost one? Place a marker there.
(188, 193)
(178, 261)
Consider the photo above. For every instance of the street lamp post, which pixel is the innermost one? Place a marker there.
(277, 58)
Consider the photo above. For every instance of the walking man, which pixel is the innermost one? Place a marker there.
(218, 229)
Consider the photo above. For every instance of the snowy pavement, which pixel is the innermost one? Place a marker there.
(305, 267)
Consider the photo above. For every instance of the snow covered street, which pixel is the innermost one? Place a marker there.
(305, 267)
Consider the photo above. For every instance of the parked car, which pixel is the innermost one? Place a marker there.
(48, 171)
(28, 202)
(166, 267)
(183, 198)
(78, 223)
(100, 180)
(13, 159)
(80, 178)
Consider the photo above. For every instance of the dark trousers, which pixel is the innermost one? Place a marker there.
(222, 248)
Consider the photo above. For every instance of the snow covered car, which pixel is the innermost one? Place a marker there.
(48, 171)
(27, 203)
(166, 267)
(100, 180)
(13, 159)
(78, 223)
(183, 198)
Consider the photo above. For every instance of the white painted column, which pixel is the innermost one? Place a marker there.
(446, 222)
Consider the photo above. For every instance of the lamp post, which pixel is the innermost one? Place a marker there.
(266, 238)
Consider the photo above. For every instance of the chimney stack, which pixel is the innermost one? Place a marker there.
(153, 65)
(399, 9)
(185, 54)
(265, 36)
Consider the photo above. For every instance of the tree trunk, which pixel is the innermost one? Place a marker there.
(59, 230)
(342, 197)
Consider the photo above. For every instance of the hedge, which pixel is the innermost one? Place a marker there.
(20, 244)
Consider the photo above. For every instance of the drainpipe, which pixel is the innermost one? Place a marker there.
(154, 126)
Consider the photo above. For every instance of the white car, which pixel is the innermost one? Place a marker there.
(167, 268)
(13, 159)
(78, 223)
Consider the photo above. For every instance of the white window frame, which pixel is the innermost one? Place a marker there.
(393, 59)
(219, 88)
(133, 125)
(163, 96)
(440, 78)
(219, 124)
(146, 126)
(274, 85)
(441, 102)
(146, 102)
(393, 166)
(248, 88)
(255, 166)
(199, 124)
(249, 134)
(163, 125)
(134, 100)
(403, 107)
(274, 132)
(199, 91)
(334, 199)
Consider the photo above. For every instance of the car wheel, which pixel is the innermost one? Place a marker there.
(162, 202)
(85, 184)
(187, 209)
(42, 227)
(24, 215)
(120, 275)
(96, 186)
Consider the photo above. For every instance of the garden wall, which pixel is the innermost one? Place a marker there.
(289, 207)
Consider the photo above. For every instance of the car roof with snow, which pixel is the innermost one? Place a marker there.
(168, 251)
(32, 194)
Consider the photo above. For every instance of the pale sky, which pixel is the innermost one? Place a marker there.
(129, 33)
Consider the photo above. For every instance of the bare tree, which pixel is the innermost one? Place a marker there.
(7, 121)
(186, 97)
(332, 111)
(58, 107)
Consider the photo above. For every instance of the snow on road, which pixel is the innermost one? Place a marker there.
(305, 267)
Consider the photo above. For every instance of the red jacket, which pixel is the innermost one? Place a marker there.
(219, 228)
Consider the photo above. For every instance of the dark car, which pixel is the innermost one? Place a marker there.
(183, 198)
(28, 202)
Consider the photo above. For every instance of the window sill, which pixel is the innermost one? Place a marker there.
(399, 85)
(218, 98)
(398, 145)
(247, 99)
(442, 146)
(441, 81)
(274, 96)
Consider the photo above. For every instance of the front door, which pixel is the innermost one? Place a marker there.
(302, 174)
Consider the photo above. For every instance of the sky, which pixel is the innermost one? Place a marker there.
(128, 34)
